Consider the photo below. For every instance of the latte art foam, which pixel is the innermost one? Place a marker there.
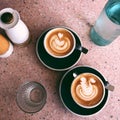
(59, 42)
(87, 90)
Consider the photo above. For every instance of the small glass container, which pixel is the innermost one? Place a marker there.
(31, 97)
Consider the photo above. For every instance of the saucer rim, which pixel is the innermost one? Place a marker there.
(107, 95)
(47, 30)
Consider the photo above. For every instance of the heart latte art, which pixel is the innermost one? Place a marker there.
(59, 42)
(87, 90)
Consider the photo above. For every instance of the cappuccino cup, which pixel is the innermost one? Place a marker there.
(60, 42)
(84, 91)
(88, 90)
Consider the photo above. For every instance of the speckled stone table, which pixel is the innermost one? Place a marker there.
(23, 65)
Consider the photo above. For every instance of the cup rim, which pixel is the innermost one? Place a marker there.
(93, 106)
(57, 28)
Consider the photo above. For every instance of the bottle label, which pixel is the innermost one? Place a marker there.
(106, 28)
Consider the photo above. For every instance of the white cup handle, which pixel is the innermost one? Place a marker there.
(75, 75)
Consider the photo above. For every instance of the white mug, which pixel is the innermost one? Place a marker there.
(87, 90)
(60, 42)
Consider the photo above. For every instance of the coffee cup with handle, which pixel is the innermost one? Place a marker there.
(88, 90)
(60, 42)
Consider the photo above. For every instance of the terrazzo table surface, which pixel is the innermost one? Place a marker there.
(23, 65)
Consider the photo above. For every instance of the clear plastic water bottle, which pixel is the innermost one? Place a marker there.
(107, 26)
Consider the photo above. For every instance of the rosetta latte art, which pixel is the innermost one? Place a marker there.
(86, 90)
(59, 43)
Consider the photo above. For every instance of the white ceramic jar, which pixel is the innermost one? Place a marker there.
(14, 27)
(6, 48)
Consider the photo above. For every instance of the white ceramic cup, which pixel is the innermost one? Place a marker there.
(88, 93)
(61, 42)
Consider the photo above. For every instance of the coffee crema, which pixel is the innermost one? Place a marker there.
(87, 90)
(59, 42)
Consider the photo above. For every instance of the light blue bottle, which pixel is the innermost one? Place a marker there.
(107, 26)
